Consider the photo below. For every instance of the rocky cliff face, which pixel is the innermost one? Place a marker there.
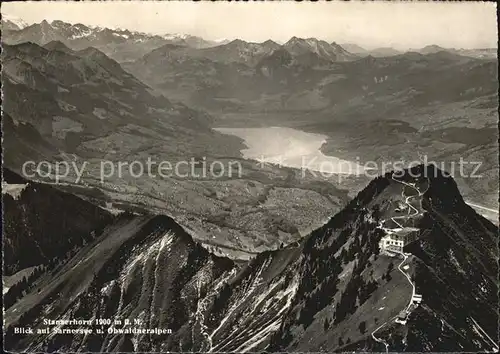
(334, 291)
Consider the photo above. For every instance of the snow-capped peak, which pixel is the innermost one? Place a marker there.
(15, 20)
(172, 36)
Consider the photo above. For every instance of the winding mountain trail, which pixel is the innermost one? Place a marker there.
(405, 256)
(379, 339)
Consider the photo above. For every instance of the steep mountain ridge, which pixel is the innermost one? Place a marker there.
(234, 52)
(309, 80)
(82, 109)
(74, 97)
(329, 292)
(308, 52)
(240, 75)
(240, 51)
(326, 52)
(12, 23)
(9, 25)
(119, 44)
(442, 263)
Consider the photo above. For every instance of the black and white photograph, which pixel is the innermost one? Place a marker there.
(250, 177)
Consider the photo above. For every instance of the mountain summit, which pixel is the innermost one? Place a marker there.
(324, 50)
(12, 23)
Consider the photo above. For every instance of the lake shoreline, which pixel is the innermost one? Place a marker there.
(290, 147)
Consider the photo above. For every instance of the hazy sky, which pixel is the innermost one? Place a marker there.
(375, 24)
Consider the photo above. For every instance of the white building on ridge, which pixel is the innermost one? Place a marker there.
(396, 239)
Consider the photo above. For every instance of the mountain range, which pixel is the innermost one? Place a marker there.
(335, 290)
(409, 104)
(118, 44)
(81, 107)
(222, 263)
(124, 45)
(484, 53)
(73, 99)
(12, 23)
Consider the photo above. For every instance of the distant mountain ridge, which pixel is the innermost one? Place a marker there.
(317, 73)
(481, 53)
(125, 45)
(119, 44)
(12, 23)
(326, 51)
(345, 98)
(394, 100)
(309, 52)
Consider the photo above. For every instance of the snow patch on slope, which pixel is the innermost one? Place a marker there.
(15, 20)
(14, 190)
